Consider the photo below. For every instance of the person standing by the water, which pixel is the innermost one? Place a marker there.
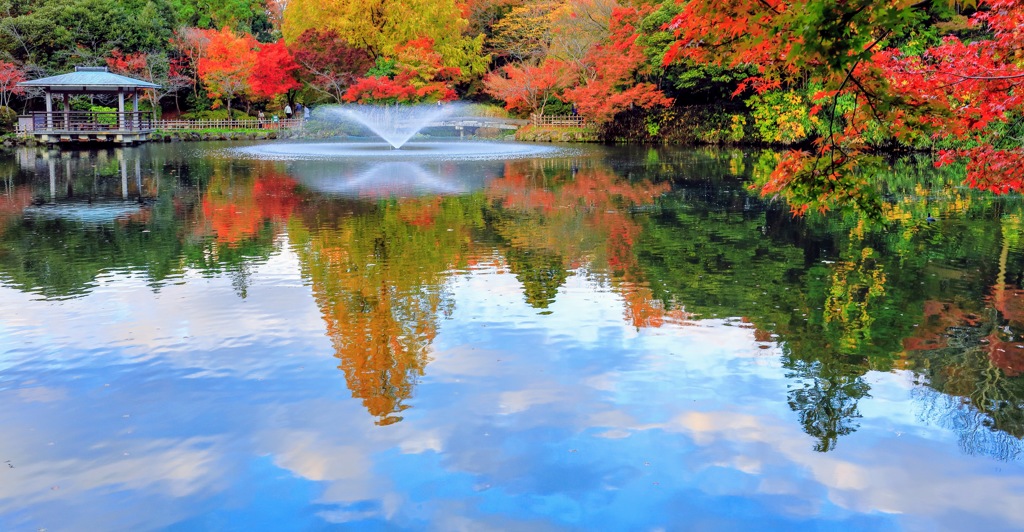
(288, 110)
(305, 112)
(260, 118)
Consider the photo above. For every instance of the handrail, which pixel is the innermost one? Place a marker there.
(233, 123)
(558, 120)
(84, 121)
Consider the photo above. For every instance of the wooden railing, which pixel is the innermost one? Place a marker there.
(249, 123)
(558, 120)
(85, 121)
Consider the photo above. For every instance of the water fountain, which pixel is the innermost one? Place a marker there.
(401, 165)
(396, 124)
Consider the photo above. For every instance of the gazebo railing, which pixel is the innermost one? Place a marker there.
(90, 121)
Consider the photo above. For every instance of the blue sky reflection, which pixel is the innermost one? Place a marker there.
(188, 408)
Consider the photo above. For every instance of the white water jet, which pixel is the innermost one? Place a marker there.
(396, 124)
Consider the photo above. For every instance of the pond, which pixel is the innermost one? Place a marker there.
(198, 337)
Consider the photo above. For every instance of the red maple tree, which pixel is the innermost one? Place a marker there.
(328, 63)
(227, 63)
(10, 76)
(274, 71)
(156, 67)
(529, 88)
(953, 93)
(610, 78)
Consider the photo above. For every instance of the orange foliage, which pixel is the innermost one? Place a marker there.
(941, 317)
(13, 202)
(227, 63)
(529, 88)
(373, 348)
(236, 211)
(381, 302)
(232, 219)
(611, 82)
(1007, 356)
(1009, 301)
(953, 91)
(420, 213)
(275, 195)
(421, 77)
(516, 190)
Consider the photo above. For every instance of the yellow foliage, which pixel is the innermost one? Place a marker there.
(379, 26)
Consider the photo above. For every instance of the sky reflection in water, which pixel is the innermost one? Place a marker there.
(551, 347)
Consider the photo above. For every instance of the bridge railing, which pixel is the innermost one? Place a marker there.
(480, 121)
(558, 120)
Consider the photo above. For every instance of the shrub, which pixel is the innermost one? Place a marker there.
(8, 119)
(782, 117)
(215, 114)
(107, 119)
(487, 110)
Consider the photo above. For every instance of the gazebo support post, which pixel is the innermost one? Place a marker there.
(67, 111)
(135, 109)
(49, 110)
(120, 109)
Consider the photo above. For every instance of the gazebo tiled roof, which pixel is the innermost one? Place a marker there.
(89, 79)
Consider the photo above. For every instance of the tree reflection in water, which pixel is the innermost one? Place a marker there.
(932, 290)
(381, 275)
(380, 278)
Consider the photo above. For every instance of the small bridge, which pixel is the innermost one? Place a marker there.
(463, 122)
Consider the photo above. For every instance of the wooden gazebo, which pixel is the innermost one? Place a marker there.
(65, 125)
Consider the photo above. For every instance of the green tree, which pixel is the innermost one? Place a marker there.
(57, 35)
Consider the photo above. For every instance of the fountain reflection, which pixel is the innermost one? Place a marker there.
(393, 179)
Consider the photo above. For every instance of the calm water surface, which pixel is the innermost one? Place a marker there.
(192, 338)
